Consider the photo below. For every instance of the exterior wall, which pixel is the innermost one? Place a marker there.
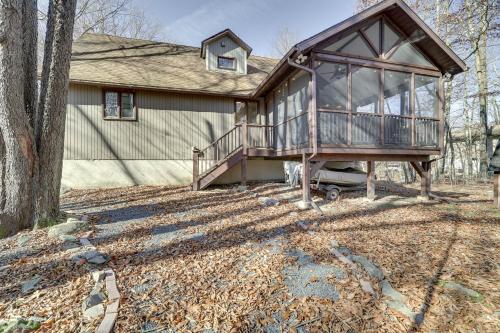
(231, 50)
(168, 126)
(116, 173)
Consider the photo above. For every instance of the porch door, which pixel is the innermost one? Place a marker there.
(247, 111)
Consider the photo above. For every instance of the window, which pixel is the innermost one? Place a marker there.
(226, 63)
(408, 54)
(390, 38)
(352, 44)
(331, 81)
(426, 98)
(373, 34)
(397, 93)
(119, 105)
(365, 89)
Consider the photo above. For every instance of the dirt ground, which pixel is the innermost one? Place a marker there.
(220, 260)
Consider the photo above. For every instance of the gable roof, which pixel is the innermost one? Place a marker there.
(135, 63)
(401, 15)
(226, 32)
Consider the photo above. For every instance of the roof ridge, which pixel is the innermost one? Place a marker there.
(138, 39)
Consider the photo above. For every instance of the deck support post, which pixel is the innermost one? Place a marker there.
(196, 169)
(370, 180)
(425, 185)
(306, 181)
(244, 143)
(496, 189)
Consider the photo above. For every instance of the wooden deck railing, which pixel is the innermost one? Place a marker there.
(340, 128)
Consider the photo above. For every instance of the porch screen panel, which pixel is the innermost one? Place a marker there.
(365, 89)
(426, 96)
(331, 85)
(332, 128)
(298, 99)
(397, 125)
(298, 132)
(280, 116)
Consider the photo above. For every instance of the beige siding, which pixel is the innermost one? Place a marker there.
(167, 126)
(231, 50)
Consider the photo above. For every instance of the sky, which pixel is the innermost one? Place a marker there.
(257, 22)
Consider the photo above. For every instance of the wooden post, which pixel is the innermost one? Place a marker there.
(370, 180)
(306, 181)
(196, 169)
(244, 134)
(496, 189)
(425, 185)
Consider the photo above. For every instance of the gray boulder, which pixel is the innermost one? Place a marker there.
(30, 285)
(92, 300)
(472, 294)
(94, 312)
(267, 202)
(369, 267)
(71, 226)
(389, 291)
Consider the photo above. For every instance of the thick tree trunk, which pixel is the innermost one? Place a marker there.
(52, 106)
(30, 44)
(17, 154)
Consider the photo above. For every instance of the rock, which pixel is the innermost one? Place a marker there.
(91, 255)
(20, 325)
(68, 238)
(389, 291)
(94, 312)
(334, 243)
(71, 226)
(2, 268)
(241, 188)
(267, 202)
(474, 295)
(369, 267)
(23, 240)
(303, 205)
(85, 218)
(401, 308)
(98, 259)
(30, 285)
(92, 300)
(98, 276)
(293, 214)
(303, 225)
(342, 258)
(141, 288)
(367, 287)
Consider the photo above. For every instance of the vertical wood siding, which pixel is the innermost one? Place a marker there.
(167, 126)
(231, 50)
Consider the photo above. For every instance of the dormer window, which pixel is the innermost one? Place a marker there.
(226, 63)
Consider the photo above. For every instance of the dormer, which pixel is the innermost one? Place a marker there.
(225, 52)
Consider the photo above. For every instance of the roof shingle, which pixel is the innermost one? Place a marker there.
(119, 61)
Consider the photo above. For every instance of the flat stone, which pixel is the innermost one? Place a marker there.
(389, 291)
(463, 290)
(367, 287)
(23, 240)
(98, 276)
(401, 308)
(267, 202)
(20, 325)
(303, 205)
(334, 243)
(70, 227)
(68, 238)
(92, 300)
(30, 285)
(369, 267)
(342, 258)
(94, 312)
(241, 188)
(98, 259)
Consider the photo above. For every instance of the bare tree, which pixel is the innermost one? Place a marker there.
(284, 41)
(31, 137)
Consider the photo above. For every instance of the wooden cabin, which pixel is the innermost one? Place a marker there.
(367, 89)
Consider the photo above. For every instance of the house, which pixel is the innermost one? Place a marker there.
(368, 88)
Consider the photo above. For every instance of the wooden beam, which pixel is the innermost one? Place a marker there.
(316, 167)
(244, 171)
(196, 169)
(496, 190)
(418, 168)
(306, 180)
(370, 180)
(425, 184)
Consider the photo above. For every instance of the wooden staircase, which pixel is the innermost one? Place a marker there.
(227, 151)
(218, 157)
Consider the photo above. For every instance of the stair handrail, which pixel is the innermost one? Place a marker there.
(219, 139)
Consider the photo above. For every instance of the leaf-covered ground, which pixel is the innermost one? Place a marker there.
(221, 261)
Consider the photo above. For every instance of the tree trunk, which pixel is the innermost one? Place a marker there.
(30, 44)
(52, 106)
(483, 106)
(17, 154)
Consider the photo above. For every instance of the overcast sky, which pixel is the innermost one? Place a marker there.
(256, 22)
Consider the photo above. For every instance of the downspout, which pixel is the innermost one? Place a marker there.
(312, 108)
